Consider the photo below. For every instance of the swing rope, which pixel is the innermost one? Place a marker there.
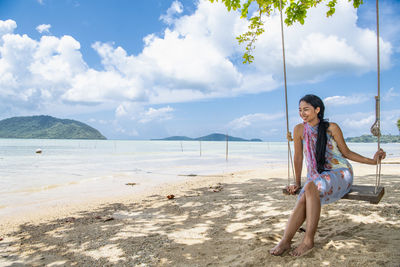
(288, 133)
(375, 128)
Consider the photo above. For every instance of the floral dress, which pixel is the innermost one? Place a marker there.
(336, 180)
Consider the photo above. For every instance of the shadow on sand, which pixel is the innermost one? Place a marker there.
(232, 224)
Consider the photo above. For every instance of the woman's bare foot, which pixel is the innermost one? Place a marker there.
(301, 249)
(279, 249)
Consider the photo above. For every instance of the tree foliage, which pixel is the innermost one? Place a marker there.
(296, 11)
(372, 139)
(398, 124)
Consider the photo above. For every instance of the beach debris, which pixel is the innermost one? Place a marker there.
(216, 188)
(130, 184)
(108, 219)
(188, 175)
(1, 239)
(170, 196)
(70, 219)
(98, 217)
(38, 151)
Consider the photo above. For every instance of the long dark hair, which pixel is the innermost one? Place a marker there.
(315, 101)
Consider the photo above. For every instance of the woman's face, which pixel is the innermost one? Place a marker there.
(308, 113)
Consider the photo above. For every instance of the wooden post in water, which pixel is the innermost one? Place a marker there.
(227, 147)
(200, 147)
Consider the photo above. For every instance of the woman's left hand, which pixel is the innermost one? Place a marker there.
(292, 189)
(380, 154)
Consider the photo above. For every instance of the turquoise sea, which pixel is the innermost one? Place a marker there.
(73, 170)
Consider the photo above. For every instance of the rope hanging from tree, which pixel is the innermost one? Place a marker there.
(288, 133)
(375, 128)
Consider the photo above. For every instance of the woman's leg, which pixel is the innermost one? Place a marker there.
(313, 211)
(296, 219)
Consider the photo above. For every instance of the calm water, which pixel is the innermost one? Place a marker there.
(72, 170)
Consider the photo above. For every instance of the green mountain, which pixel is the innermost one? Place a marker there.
(372, 139)
(46, 127)
(211, 137)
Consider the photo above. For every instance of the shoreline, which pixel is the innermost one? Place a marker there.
(56, 210)
(229, 220)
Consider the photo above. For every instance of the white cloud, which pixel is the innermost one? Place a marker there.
(102, 86)
(321, 47)
(355, 124)
(175, 8)
(345, 100)
(253, 119)
(389, 95)
(121, 111)
(43, 28)
(7, 26)
(192, 60)
(364, 122)
(153, 114)
(187, 63)
(37, 73)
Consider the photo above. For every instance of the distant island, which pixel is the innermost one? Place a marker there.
(46, 127)
(372, 139)
(210, 137)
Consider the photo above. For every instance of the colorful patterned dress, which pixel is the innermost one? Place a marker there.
(336, 180)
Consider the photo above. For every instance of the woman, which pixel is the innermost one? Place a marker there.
(329, 174)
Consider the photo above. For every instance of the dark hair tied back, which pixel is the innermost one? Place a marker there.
(322, 139)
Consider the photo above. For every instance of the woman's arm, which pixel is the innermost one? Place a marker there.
(298, 152)
(298, 158)
(337, 134)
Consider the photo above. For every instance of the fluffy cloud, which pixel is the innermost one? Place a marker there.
(361, 122)
(345, 100)
(160, 114)
(43, 28)
(34, 73)
(193, 59)
(253, 119)
(102, 86)
(175, 8)
(7, 26)
(389, 95)
(321, 47)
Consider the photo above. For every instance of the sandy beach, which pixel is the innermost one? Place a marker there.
(217, 220)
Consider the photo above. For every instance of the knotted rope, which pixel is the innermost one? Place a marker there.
(375, 128)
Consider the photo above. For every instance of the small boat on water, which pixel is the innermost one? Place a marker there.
(38, 151)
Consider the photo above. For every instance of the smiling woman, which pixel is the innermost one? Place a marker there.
(329, 174)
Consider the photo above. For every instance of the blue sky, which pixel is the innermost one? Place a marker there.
(157, 68)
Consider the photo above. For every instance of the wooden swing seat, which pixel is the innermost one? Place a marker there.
(360, 192)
